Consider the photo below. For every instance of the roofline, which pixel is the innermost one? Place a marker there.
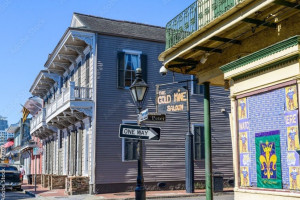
(100, 33)
(122, 21)
(36, 79)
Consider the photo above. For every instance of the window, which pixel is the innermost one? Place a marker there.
(199, 142)
(128, 62)
(129, 146)
(196, 89)
(87, 67)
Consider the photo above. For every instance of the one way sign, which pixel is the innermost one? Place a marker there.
(140, 133)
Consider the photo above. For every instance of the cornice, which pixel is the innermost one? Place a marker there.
(280, 46)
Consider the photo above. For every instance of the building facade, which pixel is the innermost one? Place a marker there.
(3, 123)
(251, 48)
(4, 135)
(84, 88)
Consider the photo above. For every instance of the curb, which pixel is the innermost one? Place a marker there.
(175, 196)
(30, 193)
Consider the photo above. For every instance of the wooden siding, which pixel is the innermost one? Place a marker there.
(164, 160)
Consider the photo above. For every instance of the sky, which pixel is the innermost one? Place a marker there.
(31, 29)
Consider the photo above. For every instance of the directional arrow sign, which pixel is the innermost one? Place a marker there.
(137, 132)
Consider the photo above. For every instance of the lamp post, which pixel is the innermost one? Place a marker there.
(138, 91)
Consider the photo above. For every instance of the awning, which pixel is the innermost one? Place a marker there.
(8, 144)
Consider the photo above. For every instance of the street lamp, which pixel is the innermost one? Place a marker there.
(138, 91)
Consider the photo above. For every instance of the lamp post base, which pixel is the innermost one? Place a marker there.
(140, 193)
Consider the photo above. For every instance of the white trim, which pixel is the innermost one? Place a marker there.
(87, 50)
(61, 45)
(74, 20)
(128, 51)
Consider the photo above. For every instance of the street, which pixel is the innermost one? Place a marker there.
(16, 195)
(221, 197)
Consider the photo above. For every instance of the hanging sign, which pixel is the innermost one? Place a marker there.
(172, 100)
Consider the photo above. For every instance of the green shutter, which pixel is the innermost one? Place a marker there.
(120, 70)
(144, 66)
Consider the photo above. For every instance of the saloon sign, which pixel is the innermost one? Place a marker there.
(172, 100)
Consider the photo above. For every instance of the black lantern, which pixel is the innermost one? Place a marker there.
(138, 89)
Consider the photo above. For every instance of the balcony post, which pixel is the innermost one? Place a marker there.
(72, 90)
(207, 138)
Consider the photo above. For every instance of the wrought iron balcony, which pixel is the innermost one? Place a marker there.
(196, 16)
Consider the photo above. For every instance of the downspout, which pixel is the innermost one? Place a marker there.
(93, 156)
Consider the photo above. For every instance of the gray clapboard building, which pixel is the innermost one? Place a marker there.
(85, 91)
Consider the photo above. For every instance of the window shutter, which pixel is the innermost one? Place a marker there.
(144, 66)
(121, 82)
(202, 142)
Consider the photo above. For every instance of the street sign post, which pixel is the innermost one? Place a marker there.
(138, 132)
(156, 117)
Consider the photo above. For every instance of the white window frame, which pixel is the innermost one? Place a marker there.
(123, 140)
(131, 52)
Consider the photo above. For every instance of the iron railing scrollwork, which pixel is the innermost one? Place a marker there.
(196, 16)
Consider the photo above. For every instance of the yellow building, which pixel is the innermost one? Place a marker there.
(252, 48)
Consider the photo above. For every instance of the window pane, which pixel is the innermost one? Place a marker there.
(202, 143)
(197, 152)
(131, 64)
(199, 142)
(197, 135)
(131, 149)
(134, 149)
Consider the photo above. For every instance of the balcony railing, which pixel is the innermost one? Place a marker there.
(196, 16)
(73, 93)
(38, 119)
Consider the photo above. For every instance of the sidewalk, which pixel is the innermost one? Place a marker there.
(158, 194)
(42, 192)
(46, 193)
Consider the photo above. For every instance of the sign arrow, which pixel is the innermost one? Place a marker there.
(137, 132)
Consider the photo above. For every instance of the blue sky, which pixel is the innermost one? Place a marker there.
(31, 29)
